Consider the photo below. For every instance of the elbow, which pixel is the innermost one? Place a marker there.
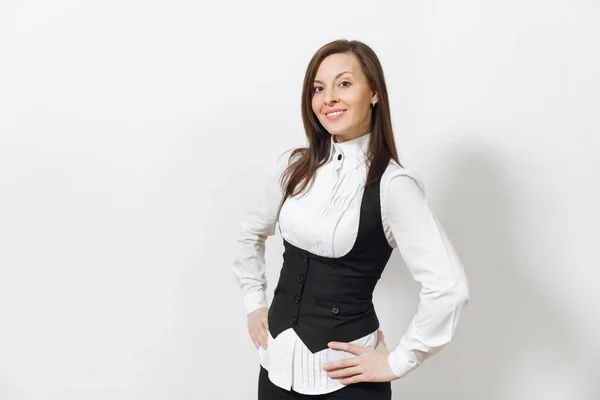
(460, 291)
(462, 296)
(457, 292)
(464, 293)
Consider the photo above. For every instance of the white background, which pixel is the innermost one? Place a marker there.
(134, 134)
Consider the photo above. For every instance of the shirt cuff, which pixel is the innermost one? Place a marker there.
(401, 363)
(255, 300)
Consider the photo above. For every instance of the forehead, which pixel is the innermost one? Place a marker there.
(336, 63)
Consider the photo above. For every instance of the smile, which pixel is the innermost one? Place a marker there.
(335, 115)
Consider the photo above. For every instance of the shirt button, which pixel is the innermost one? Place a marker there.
(300, 278)
(335, 310)
(292, 320)
(339, 156)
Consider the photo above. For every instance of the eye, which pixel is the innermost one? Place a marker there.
(345, 82)
(316, 89)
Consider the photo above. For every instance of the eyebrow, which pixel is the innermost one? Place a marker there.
(337, 76)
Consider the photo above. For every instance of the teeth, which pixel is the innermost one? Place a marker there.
(335, 113)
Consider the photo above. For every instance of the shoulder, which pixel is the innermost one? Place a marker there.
(396, 175)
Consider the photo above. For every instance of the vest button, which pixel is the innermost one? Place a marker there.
(296, 299)
(335, 310)
(305, 257)
(300, 278)
(292, 320)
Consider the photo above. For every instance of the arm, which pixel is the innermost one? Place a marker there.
(258, 223)
(433, 263)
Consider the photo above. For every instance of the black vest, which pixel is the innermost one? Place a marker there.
(330, 299)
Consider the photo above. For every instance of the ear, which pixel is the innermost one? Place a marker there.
(374, 98)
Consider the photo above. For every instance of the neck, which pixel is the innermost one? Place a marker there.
(341, 138)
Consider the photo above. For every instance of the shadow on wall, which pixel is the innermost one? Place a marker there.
(511, 341)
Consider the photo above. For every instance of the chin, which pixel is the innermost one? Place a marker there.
(335, 130)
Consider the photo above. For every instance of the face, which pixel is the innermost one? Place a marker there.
(340, 85)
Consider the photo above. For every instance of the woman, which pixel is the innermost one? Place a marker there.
(342, 204)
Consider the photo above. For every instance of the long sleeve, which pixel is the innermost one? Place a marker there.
(258, 223)
(432, 261)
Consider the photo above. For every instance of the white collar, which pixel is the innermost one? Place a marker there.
(353, 152)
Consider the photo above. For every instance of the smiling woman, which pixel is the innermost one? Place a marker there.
(343, 203)
(342, 101)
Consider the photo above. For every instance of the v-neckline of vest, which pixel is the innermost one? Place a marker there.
(358, 236)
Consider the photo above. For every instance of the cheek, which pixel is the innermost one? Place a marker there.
(315, 107)
(360, 108)
(355, 102)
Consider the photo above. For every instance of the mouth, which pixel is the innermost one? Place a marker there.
(333, 115)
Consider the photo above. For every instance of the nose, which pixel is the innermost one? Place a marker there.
(330, 97)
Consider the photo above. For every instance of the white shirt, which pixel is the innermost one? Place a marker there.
(324, 220)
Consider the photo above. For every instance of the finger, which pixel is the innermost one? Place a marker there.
(265, 339)
(260, 333)
(380, 341)
(266, 323)
(255, 341)
(265, 335)
(353, 379)
(345, 372)
(258, 337)
(345, 363)
(349, 347)
(262, 337)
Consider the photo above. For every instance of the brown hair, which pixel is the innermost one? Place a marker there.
(306, 160)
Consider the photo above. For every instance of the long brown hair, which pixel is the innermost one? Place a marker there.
(304, 161)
